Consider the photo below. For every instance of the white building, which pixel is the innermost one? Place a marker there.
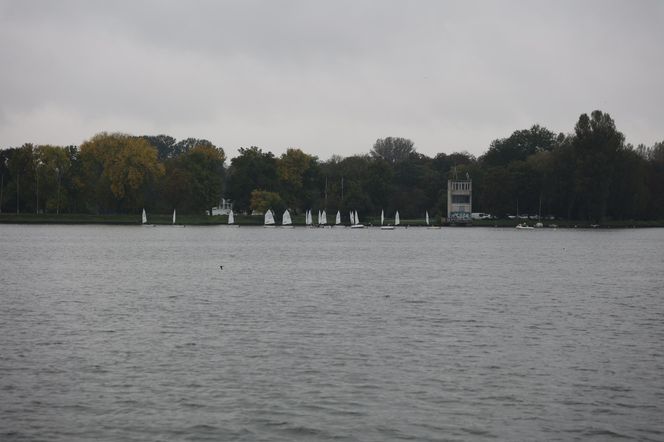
(224, 208)
(459, 201)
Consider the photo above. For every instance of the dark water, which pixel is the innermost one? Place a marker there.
(131, 333)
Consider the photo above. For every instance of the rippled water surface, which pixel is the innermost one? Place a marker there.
(135, 333)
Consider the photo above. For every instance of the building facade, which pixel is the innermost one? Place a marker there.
(459, 201)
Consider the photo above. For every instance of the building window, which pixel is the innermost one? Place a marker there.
(460, 199)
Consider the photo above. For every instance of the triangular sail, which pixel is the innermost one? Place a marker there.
(286, 220)
(338, 220)
(145, 217)
(426, 216)
(318, 219)
(352, 218)
(323, 218)
(357, 218)
(396, 218)
(307, 218)
(173, 216)
(231, 218)
(269, 218)
(382, 217)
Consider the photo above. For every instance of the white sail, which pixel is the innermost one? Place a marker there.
(338, 220)
(269, 218)
(307, 218)
(352, 218)
(382, 217)
(426, 217)
(173, 216)
(396, 218)
(231, 218)
(323, 218)
(318, 219)
(145, 217)
(356, 218)
(286, 220)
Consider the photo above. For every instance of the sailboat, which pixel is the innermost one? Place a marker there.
(396, 219)
(269, 218)
(318, 219)
(286, 221)
(426, 218)
(382, 221)
(144, 220)
(307, 218)
(322, 219)
(173, 216)
(356, 224)
(352, 218)
(231, 219)
(337, 221)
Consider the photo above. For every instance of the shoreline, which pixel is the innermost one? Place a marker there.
(242, 220)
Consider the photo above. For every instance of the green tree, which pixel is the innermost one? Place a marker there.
(204, 166)
(519, 145)
(252, 170)
(55, 164)
(597, 144)
(165, 145)
(393, 149)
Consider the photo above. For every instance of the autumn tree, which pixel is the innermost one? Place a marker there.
(119, 170)
(262, 200)
(296, 171)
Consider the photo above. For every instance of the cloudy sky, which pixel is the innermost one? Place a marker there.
(329, 77)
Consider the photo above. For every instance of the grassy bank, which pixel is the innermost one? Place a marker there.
(203, 220)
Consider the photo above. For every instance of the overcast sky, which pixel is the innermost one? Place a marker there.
(329, 77)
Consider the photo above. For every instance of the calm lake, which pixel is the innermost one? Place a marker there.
(136, 334)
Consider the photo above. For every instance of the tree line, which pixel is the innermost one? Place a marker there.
(588, 174)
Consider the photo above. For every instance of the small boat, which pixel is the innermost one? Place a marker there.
(356, 222)
(524, 226)
(173, 216)
(269, 218)
(396, 219)
(382, 220)
(286, 221)
(322, 219)
(308, 219)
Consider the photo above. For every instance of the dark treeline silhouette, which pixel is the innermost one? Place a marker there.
(589, 174)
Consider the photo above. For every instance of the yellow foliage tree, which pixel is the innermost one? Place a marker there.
(122, 164)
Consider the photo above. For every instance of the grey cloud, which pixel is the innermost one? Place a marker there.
(329, 77)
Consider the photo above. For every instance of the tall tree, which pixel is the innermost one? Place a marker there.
(204, 165)
(597, 144)
(119, 170)
(294, 170)
(165, 145)
(519, 145)
(252, 170)
(393, 149)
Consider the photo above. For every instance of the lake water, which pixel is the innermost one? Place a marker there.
(135, 333)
